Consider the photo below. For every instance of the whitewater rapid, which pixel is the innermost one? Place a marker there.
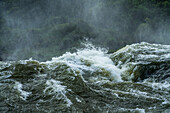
(90, 59)
(133, 79)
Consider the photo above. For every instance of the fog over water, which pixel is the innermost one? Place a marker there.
(31, 28)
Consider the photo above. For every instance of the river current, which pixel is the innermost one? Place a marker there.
(134, 79)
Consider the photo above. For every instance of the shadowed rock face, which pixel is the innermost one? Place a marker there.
(88, 81)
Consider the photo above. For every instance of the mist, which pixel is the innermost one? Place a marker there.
(42, 29)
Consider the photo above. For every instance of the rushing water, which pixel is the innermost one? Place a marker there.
(135, 79)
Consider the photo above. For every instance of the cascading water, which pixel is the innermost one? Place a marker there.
(133, 79)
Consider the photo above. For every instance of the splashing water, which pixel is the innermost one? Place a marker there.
(133, 79)
(55, 88)
(23, 93)
(90, 59)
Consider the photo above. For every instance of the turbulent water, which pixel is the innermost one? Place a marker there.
(135, 79)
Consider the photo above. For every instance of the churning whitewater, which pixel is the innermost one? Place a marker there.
(92, 60)
(134, 79)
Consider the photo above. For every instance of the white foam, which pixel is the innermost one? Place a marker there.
(78, 100)
(144, 52)
(55, 88)
(95, 57)
(135, 93)
(166, 102)
(158, 85)
(134, 110)
(23, 94)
